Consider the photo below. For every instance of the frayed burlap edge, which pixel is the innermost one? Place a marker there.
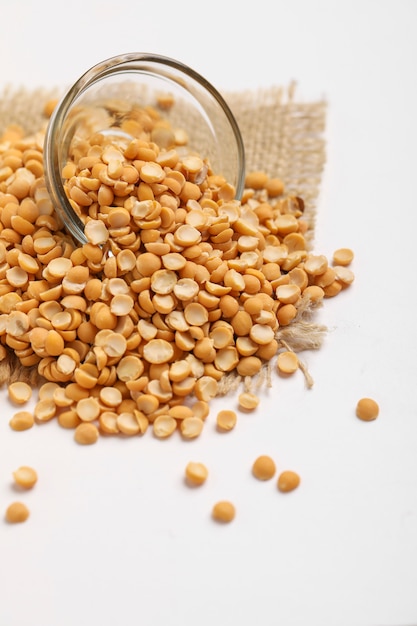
(282, 136)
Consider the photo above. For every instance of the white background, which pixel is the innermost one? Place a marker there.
(115, 537)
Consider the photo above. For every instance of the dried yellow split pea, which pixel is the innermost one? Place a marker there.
(22, 420)
(343, 275)
(288, 481)
(200, 409)
(20, 392)
(44, 410)
(287, 362)
(68, 419)
(86, 433)
(367, 409)
(191, 427)
(343, 256)
(223, 511)
(164, 426)
(25, 477)
(196, 473)
(256, 179)
(88, 409)
(226, 420)
(47, 391)
(17, 512)
(274, 187)
(49, 107)
(248, 401)
(128, 424)
(263, 467)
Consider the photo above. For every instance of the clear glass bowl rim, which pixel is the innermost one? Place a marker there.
(108, 67)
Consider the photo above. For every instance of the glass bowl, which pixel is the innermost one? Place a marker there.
(102, 97)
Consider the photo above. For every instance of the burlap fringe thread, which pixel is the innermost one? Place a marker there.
(282, 136)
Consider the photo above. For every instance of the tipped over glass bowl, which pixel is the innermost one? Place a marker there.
(106, 97)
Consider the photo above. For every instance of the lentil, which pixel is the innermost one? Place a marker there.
(367, 409)
(224, 511)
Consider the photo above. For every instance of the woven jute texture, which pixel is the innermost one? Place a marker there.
(282, 135)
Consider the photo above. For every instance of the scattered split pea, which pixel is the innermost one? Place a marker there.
(226, 420)
(367, 409)
(287, 362)
(264, 467)
(224, 511)
(26, 477)
(248, 401)
(196, 473)
(17, 512)
(196, 287)
(288, 481)
(22, 420)
(343, 256)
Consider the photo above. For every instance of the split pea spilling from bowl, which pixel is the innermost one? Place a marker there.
(120, 128)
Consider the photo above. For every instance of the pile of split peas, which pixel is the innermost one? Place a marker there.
(178, 286)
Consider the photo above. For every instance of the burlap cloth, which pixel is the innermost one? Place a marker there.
(283, 136)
